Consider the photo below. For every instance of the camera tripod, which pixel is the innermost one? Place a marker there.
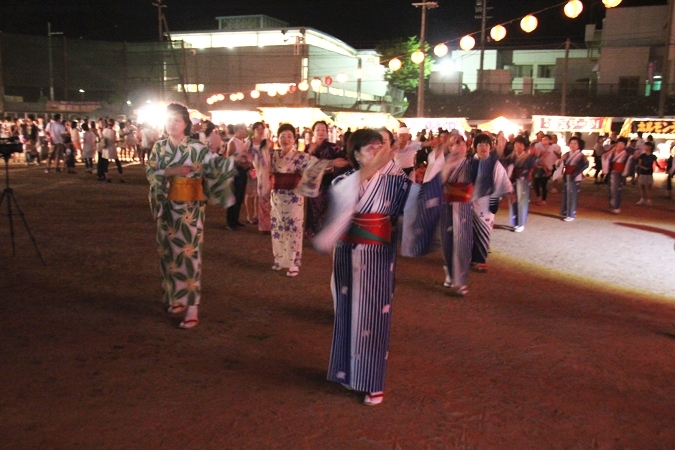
(8, 193)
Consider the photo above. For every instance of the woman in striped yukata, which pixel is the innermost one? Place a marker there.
(519, 166)
(574, 162)
(364, 203)
(492, 183)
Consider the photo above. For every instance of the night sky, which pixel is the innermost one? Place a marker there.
(360, 23)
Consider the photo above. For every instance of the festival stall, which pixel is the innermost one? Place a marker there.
(661, 129)
(564, 126)
(233, 116)
(415, 125)
(355, 120)
(501, 123)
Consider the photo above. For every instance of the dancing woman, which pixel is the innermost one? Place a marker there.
(364, 203)
(183, 175)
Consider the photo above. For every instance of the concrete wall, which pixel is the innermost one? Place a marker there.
(616, 62)
(639, 26)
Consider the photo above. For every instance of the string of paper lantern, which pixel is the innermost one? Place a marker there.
(528, 23)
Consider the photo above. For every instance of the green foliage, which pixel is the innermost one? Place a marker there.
(407, 77)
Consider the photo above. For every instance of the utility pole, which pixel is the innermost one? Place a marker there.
(482, 8)
(666, 71)
(160, 15)
(420, 86)
(563, 101)
(51, 64)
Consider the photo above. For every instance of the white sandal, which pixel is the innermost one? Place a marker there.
(373, 398)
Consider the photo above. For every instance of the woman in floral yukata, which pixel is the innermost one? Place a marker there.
(292, 176)
(184, 174)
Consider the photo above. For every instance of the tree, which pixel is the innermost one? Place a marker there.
(407, 77)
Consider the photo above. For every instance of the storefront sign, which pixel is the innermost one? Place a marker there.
(581, 124)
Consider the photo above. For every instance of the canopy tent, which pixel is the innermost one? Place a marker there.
(417, 124)
(298, 117)
(196, 114)
(501, 123)
(232, 116)
(356, 120)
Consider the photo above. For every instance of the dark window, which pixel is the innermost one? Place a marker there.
(629, 85)
(521, 71)
(546, 71)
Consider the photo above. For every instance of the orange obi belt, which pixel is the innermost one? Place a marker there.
(186, 190)
(618, 167)
(288, 181)
(569, 169)
(373, 229)
(458, 192)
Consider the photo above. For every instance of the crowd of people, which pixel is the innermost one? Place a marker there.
(367, 191)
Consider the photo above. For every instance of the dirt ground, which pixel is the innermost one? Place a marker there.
(568, 342)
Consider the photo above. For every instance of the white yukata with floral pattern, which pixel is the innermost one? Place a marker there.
(180, 225)
(287, 206)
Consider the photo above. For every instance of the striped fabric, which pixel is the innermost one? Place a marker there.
(456, 228)
(520, 209)
(363, 288)
(420, 219)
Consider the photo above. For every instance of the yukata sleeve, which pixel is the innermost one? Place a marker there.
(218, 174)
(343, 196)
(502, 185)
(159, 184)
(421, 214)
(261, 164)
(313, 171)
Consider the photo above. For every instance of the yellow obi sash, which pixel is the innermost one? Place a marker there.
(186, 190)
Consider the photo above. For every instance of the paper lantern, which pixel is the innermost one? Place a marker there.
(573, 8)
(292, 88)
(497, 33)
(233, 97)
(272, 92)
(417, 57)
(303, 85)
(210, 101)
(394, 64)
(441, 50)
(611, 3)
(283, 90)
(255, 93)
(240, 95)
(467, 43)
(529, 23)
(328, 81)
(316, 84)
(341, 77)
(220, 97)
(358, 74)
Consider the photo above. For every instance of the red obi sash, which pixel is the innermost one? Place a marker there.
(618, 167)
(373, 229)
(569, 169)
(288, 181)
(458, 192)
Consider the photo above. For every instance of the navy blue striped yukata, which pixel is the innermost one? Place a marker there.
(363, 279)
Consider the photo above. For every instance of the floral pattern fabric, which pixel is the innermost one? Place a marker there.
(180, 225)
